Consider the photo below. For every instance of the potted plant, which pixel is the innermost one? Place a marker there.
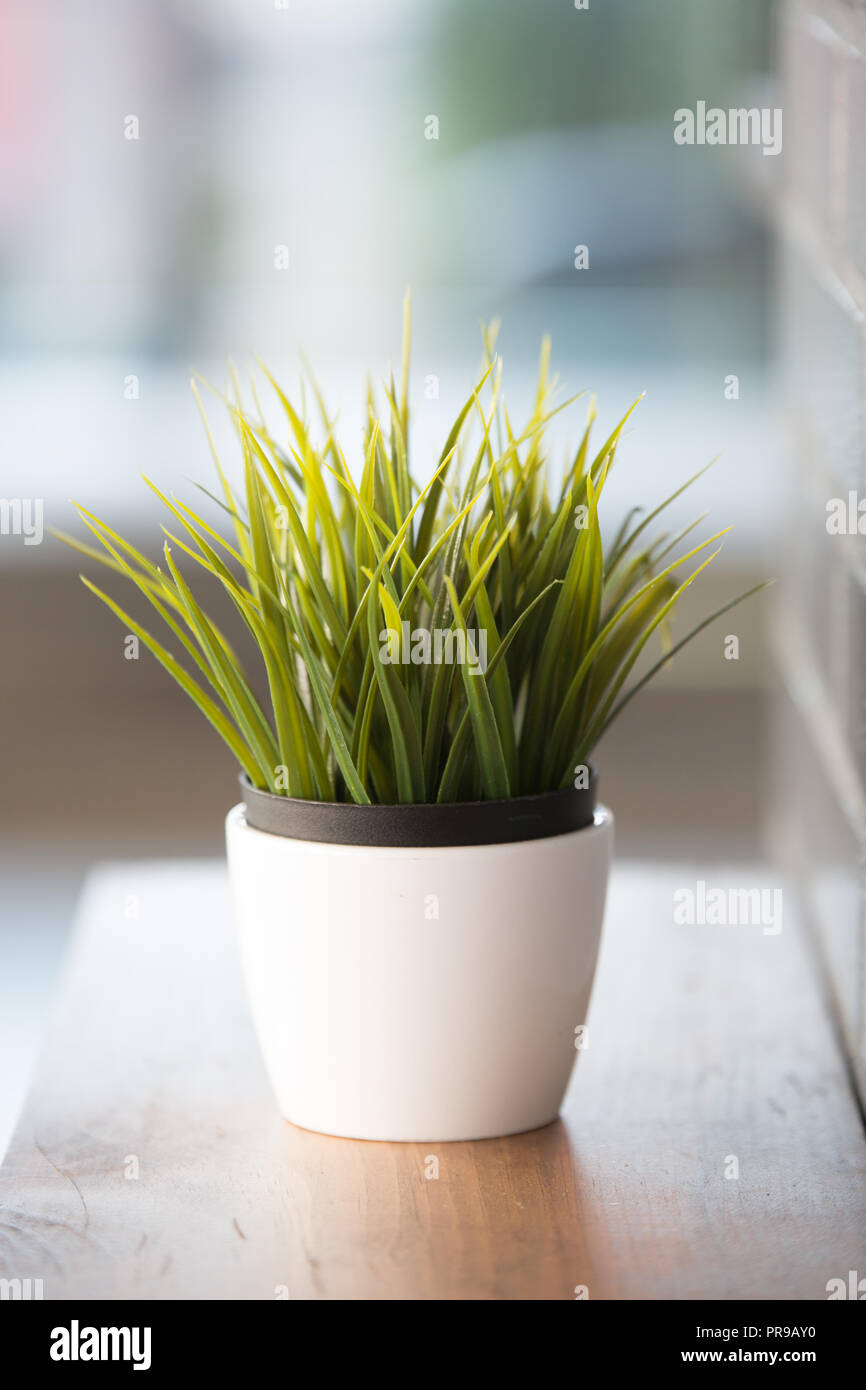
(419, 863)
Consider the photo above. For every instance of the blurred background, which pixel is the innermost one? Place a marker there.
(196, 180)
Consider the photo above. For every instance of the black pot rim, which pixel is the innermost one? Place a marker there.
(422, 826)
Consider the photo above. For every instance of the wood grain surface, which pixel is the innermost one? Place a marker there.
(150, 1161)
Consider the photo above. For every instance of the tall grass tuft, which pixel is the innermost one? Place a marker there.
(488, 564)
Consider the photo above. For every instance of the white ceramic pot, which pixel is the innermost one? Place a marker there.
(419, 994)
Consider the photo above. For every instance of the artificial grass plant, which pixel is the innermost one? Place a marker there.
(319, 566)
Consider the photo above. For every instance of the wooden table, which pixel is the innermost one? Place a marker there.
(151, 1162)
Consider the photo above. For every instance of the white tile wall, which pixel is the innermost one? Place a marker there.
(821, 646)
